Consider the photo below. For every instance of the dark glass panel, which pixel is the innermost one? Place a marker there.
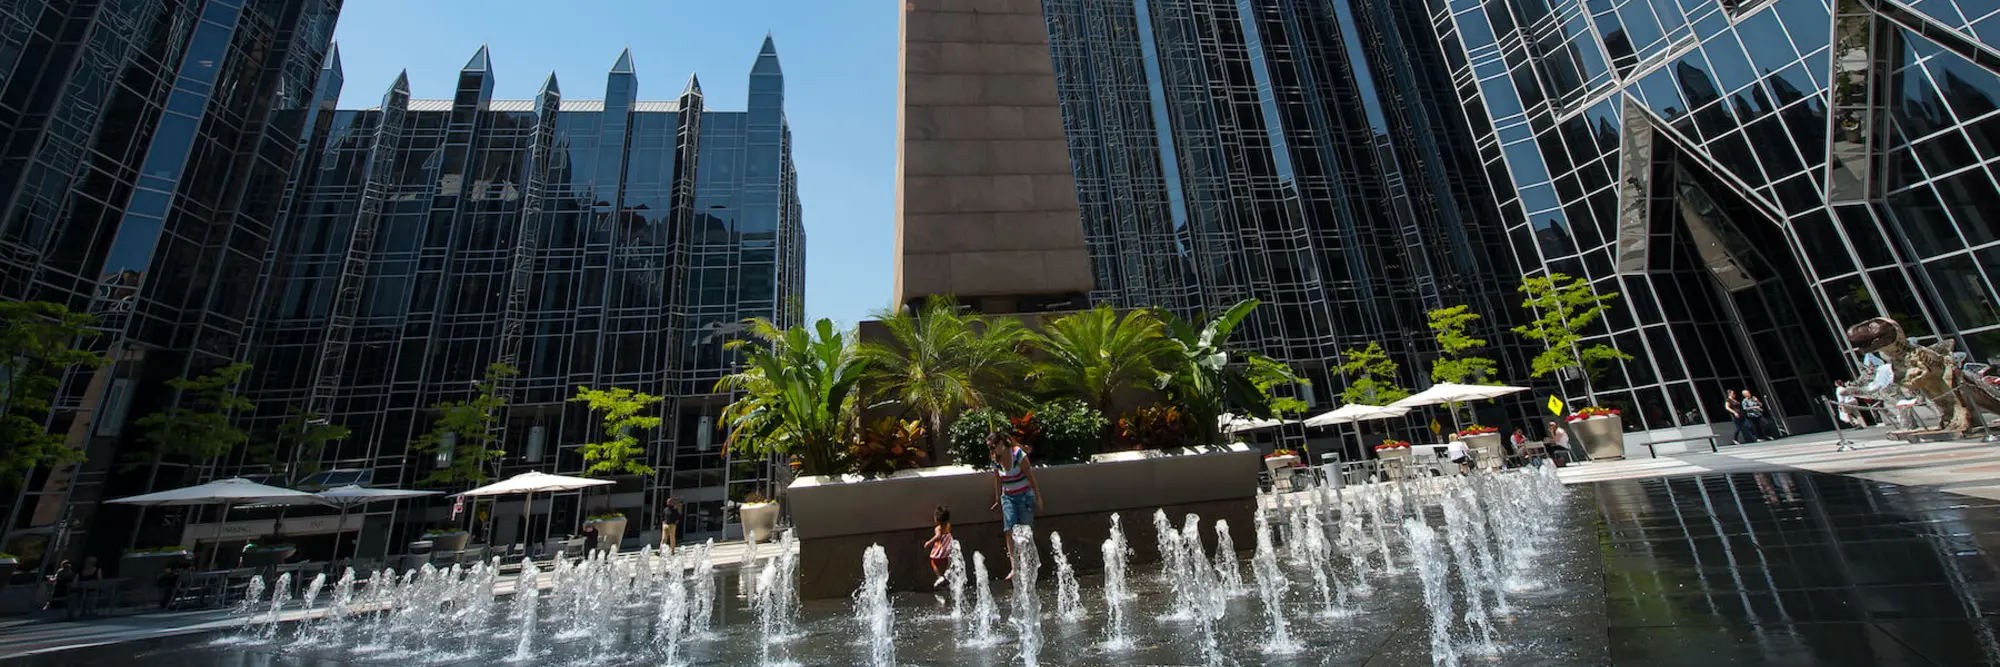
(1963, 289)
(1899, 301)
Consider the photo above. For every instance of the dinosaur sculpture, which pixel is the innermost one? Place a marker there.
(1931, 372)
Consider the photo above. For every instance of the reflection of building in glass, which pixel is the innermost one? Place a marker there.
(609, 242)
(1752, 176)
(144, 148)
(1311, 155)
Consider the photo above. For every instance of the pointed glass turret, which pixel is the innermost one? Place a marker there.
(694, 86)
(478, 63)
(624, 64)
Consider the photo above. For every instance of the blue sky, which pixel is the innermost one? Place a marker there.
(840, 91)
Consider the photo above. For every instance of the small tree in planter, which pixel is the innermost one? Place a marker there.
(1371, 376)
(463, 434)
(1565, 306)
(198, 427)
(1456, 363)
(619, 452)
(38, 340)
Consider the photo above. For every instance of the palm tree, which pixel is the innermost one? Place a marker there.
(1207, 378)
(1094, 354)
(938, 361)
(798, 393)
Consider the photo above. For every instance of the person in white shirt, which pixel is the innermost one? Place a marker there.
(1559, 445)
(1455, 451)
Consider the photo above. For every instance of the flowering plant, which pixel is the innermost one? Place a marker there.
(1593, 412)
(1393, 444)
(1477, 429)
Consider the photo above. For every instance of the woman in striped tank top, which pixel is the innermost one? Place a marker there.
(1013, 488)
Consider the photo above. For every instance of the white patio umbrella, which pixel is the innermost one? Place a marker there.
(1452, 392)
(351, 496)
(1353, 413)
(225, 492)
(531, 483)
(1235, 424)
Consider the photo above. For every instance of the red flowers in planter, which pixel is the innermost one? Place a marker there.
(1280, 452)
(1592, 413)
(1393, 444)
(1477, 429)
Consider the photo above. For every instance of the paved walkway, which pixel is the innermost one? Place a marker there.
(1967, 467)
(45, 632)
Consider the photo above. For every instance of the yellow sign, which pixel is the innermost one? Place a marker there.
(1436, 427)
(1556, 406)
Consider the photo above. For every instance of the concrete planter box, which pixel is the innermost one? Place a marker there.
(1486, 449)
(267, 557)
(759, 520)
(448, 542)
(1602, 437)
(837, 517)
(610, 532)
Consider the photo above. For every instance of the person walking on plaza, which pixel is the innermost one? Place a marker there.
(1013, 489)
(940, 543)
(670, 523)
(1745, 431)
(1753, 412)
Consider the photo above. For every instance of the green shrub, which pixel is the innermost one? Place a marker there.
(1069, 431)
(967, 436)
(1061, 431)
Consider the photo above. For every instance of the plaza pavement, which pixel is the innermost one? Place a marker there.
(46, 632)
(1967, 467)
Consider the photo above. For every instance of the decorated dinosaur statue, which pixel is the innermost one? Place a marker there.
(1931, 372)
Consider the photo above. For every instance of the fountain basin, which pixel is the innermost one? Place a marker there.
(838, 517)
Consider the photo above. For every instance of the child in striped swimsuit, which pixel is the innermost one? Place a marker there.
(940, 544)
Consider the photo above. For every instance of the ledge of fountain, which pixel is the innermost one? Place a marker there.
(836, 517)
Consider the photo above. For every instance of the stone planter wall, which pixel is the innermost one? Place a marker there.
(838, 517)
(1602, 437)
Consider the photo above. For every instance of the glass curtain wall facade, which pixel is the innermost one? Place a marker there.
(144, 150)
(1311, 155)
(611, 242)
(1752, 176)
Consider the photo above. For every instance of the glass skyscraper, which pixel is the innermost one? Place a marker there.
(1752, 176)
(608, 242)
(1307, 154)
(144, 149)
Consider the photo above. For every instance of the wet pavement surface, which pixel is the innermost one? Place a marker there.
(1797, 568)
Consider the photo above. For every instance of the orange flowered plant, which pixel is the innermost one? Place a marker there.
(888, 445)
(1393, 444)
(1157, 427)
(1477, 429)
(1280, 452)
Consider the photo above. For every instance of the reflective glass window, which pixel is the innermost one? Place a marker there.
(1822, 244)
(1867, 241)
(1899, 301)
(1963, 289)
(1972, 201)
(1922, 219)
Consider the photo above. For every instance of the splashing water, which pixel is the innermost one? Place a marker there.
(1027, 619)
(1116, 635)
(281, 593)
(527, 596)
(983, 611)
(671, 628)
(1432, 569)
(1069, 599)
(954, 577)
(701, 590)
(871, 607)
(1227, 571)
(1271, 589)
